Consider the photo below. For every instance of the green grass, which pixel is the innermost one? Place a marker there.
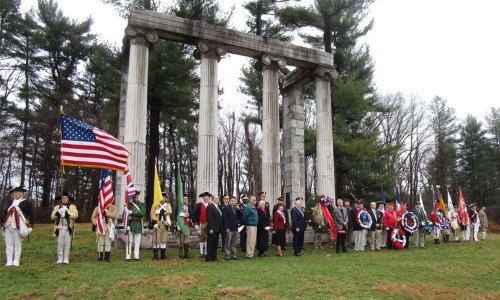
(451, 271)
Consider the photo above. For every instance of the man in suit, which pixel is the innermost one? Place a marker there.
(243, 233)
(341, 222)
(214, 225)
(298, 227)
(376, 227)
(230, 229)
(222, 204)
(422, 220)
(349, 238)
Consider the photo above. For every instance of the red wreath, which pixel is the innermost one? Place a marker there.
(398, 238)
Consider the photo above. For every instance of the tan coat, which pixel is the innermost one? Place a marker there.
(111, 215)
(63, 222)
(160, 234)
(483, 219)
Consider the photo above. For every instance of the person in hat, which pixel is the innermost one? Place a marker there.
(17, 221)
(422, 221)
(243, 233)
(400, 214)
(263, 197)
(375, 233)
(483, 219)
(137, 211)
(106, 237)
(200, 221)
(474, 221)
(455, 217)
(298, 226)
(251, 220)
(436, 219)
(320, 220)
(64, 215)
(389, 220)
(184, 215)
(160, 218)
(214, 227)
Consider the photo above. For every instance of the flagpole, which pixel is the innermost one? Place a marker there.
(61, 181)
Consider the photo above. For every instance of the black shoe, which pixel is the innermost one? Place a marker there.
(234, 258)
(99, 256)
(163, 254)
(155, 254)
(107, 256)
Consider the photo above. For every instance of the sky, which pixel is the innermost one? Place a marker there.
(421, 48)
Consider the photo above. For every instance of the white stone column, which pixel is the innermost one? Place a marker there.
(324, 134)
(120, 180)
(136, 107)
(271, 162)
(293, 143)
(207, 166)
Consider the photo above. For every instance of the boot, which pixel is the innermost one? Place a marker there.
(181, 248)
(107, 257)
(186, 251)
(155, 254)
(99, 256)
(163, 253)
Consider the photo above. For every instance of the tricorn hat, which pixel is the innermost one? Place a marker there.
(262, 194)
(205, 194)
(64, 193)
(473, 204)
(244, 197)
(164, 194)
(18, 189)
(280, 198)
(137, 192)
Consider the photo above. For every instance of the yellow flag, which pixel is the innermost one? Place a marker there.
(157, 191)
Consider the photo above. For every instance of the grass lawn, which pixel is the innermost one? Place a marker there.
(451, 271)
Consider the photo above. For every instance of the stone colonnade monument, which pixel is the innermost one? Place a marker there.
(212, 43)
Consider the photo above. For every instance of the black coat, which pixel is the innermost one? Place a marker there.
(262, 233)
(298, 220)
(229, 218)
(25, 207)
(379, 216)
(214, 218)
(355, 225)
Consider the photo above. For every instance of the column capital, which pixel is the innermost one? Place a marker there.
(325, 73)
(270, 61)
(209, 50)
(138, 37)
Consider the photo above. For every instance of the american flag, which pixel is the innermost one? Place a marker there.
(87, 146)
(129, 194)
(105, 198)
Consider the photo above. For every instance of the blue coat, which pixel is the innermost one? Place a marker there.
(298, 220)
(229, 218)
(250, 216)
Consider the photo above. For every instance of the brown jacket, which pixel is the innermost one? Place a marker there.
(111, 215)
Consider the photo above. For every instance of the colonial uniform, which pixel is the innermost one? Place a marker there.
(436, 219)
(200, 222)
(483, 219)
(160, 217)
(64, 216)
(136, 224)
(184, 215)
(474, 221)
(455, 220)
(17, 216)
(104, 241)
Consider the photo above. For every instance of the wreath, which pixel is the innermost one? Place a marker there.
(363, 219)
(410, 222)
(311, 220)
(398, 238)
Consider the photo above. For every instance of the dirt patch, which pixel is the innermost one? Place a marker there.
(243, 292)
(429, 291)
(175, 282)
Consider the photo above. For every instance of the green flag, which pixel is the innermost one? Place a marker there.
(180, 203)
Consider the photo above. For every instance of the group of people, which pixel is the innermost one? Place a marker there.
(250, 221)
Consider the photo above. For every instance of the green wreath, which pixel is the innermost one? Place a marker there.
(310, 218)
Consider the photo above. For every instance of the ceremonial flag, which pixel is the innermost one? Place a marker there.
(157, 197)
(129, 195)
(105, 199)
(434, 199)
(383, 197)
(450, 204)
(442, 207)
(462, 209)
(84, 145)
(180, 203)
(422, 203)
(398, 198)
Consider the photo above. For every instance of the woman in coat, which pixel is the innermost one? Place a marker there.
(262, 229)
(279, 221)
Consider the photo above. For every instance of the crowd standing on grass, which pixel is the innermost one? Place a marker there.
(250, 221)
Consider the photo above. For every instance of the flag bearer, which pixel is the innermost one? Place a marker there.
(104, 241)
(137, 210)
(160, 216)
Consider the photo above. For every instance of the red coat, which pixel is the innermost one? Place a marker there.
(399, 217)
(389, 219)
(435, 218)
(278, 222)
